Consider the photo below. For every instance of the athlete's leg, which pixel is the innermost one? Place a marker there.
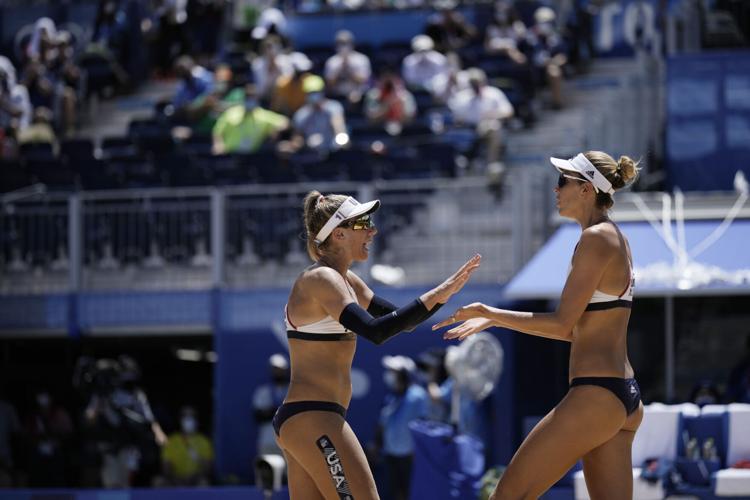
(326, 447)
(587, 417)
(301, 485)
(608, 467)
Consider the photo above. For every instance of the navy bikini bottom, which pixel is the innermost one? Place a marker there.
(626, 389)
(288, 410)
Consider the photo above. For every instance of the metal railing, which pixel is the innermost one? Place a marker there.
(252, 236)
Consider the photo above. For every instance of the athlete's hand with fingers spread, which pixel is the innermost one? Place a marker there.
(456, 281)
(474, 320)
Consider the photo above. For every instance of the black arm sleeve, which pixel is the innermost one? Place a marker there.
(380, 307)
(378, 330)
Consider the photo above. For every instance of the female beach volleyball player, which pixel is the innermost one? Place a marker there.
(598, 417)
(328, 307)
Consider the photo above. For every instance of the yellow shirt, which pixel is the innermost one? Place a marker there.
(183, 452)
(245, 132)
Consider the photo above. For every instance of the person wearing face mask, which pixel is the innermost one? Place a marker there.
(406, 401)
(319, 125)
(289, 92)
(196, 84)
(389, 103)
(48, 428)
(424, 64)
(244, 128)
(484, 107)
(347, 71)
(548, 53)
(266, 400)
(187, 457)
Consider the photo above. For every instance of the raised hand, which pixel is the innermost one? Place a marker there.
(457, 280)
(474, 320)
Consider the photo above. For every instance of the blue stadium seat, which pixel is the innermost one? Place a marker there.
(52, 173)
(37, 151)
(74, 150)
(13, 177)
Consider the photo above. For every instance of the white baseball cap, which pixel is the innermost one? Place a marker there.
(349, 209)
(579, 164)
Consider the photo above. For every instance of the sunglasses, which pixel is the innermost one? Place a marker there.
(363, 223)
(563, 180)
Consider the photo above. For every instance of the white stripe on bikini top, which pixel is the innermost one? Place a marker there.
(325, 325)
(600, 296)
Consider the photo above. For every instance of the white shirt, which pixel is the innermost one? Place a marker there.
(471, 109)
(444, 90)
(420, 69)
(265, 79)
(357, 69)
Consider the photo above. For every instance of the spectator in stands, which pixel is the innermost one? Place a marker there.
(406, 401)
(484, 107)
(245, 128)
(420, 68)
(41, 47)
(319, 125)
(449, 29)
(269, 66)
(506, 34)
(49, 429)
(447, 85)
(266, 400)
(738, 385)
(347, 71)
(389, 103)
(187, 457)
(271, 23)
(15, 106)
(10, 427)
(289, 93)
(548, 52)
(38, 81)
(194, 98)
(109, 40)
(171, 39)
(67, 77)
(40, 131)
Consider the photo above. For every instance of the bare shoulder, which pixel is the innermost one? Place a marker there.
(601, 237)
(598, 243)
(355, 280)
(315, 276)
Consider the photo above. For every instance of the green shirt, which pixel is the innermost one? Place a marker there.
(244, 132)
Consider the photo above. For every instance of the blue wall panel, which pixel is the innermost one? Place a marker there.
(144, 309)
(35, 312)
(708, 120)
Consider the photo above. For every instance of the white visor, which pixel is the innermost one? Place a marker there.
(581, 165)
(350, 209)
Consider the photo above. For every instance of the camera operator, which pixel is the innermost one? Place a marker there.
(124, 437)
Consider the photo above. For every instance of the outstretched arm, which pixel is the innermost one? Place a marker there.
(335, 299)
(589, 262)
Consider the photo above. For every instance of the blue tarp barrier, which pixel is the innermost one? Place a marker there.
(447, 465)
